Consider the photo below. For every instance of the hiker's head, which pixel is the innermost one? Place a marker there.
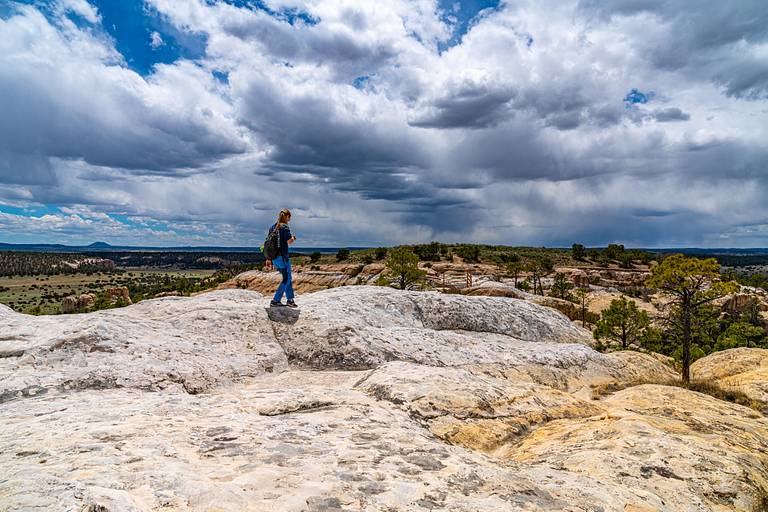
(284, 216)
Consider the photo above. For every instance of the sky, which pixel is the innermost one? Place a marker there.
(530, 122)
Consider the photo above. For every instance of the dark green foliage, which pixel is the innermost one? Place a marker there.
(578, 252)
(342, 254)
(741, 334)
(469, 253)
(625, 259)
(402, 265)
(14, 263)
(623, 322)
(561, 287)
(315, 257)
(614, 251)
(427, 252)
(47, 263)
(380, 253)
(755, 279)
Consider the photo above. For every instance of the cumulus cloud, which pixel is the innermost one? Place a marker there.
(538, 122)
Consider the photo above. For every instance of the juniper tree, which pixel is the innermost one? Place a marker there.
(622, 322)
(691, 283)
(403, 265)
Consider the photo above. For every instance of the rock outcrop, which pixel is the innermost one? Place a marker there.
(77, 303)
(365, 398)
(742, 369)
(306, 280)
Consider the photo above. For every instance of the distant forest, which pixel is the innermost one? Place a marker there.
(47, 263)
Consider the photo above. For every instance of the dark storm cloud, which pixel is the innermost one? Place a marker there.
(468, 106)
(25, 169)
(307, 134)
(666, 115)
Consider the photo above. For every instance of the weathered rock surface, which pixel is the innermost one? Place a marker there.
(193, 343)
(362, 327)
(743, 369)
(367, 399)
(674, 448)
(506, 289)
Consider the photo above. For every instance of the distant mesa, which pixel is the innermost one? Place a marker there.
(100, 245)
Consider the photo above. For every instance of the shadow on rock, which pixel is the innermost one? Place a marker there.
(283, 315)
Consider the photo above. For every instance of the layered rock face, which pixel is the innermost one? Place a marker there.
(366, 398)
(306, 280)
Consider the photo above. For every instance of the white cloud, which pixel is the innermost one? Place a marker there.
(156, 40)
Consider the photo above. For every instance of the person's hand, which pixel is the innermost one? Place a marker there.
(268, 265)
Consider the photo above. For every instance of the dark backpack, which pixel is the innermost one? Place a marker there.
(272, 244)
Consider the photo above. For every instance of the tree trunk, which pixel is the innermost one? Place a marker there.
(624, 337)
(686, 312)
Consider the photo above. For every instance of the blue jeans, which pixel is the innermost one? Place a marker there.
(286, 286)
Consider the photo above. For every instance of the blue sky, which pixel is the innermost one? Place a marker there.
(170, 122)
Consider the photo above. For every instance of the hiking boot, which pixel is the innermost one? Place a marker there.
(274, 304)
(291, 304)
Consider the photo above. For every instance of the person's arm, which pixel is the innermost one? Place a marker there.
(289, 237)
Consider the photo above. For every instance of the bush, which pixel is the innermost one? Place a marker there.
(427, 252)
(614, 251)
(342, 254)
(469, 253)
(315, 257)
(380, 253)
(403, 267)
(578, 252)
(561, 288)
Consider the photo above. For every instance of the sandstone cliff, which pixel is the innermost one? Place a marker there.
(366, 398)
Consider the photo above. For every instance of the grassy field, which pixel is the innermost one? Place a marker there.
(26, 293)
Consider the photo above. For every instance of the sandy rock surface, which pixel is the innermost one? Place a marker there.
(743, 369)
(363, 399)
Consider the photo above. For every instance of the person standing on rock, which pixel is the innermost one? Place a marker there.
(282, 261)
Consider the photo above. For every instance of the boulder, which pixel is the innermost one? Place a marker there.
(742, 369)
(77, 304)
